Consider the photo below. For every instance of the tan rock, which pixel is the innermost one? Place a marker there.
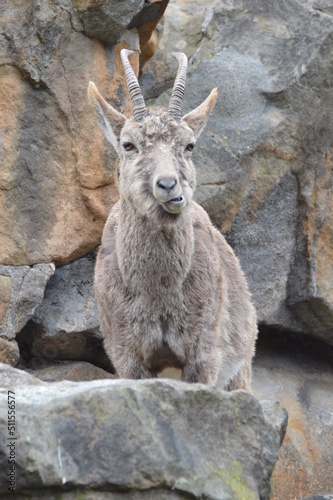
(147, 22)
(57, 179)
(9, 352)
(298, 373)
(5, 296)
(318, 231)
(48, 144)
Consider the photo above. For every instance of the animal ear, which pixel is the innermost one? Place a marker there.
(197, 118)
(110, 120)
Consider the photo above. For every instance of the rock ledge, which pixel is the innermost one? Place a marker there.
(138, 436)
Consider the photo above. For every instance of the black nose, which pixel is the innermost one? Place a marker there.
(166, 184)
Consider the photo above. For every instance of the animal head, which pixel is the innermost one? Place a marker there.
(156, 173)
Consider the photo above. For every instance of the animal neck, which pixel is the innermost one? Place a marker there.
(152, 256)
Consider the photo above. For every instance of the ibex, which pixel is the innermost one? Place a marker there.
(169, 289)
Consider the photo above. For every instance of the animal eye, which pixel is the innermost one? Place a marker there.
(128, 146)
(189, 147)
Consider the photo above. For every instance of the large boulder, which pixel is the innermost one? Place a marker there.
(264, 161)
(66, 324)
(57, 180)
(107, 20)
(141, 437)
(21, 292)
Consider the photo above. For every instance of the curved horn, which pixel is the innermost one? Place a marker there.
(138, 103)
(176, 99)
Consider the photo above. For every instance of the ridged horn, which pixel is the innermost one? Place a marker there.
(138, 103)
(177, 96)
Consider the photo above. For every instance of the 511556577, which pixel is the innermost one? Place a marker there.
(11, 441)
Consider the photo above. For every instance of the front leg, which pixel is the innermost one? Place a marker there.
(199, 372)
(203, 363)
(134, 371)
(126, 362)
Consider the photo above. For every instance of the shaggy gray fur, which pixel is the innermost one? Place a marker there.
(169, 288)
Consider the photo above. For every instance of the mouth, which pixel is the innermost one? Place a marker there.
(175, 205)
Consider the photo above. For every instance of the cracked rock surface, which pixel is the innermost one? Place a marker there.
(298, 372)
(65, 325)
(22, 291)
(56, 184)
(139, 436)
(265, 158)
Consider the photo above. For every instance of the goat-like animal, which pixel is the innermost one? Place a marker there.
(169, 289)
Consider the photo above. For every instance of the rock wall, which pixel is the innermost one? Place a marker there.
(265, 158)
(57, 177)
(56, 183)
(264, 161)
(298, 373)
(264, 165)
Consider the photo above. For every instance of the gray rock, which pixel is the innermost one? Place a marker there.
(107, 20)
(184, 29)
(325, 6)
(12, 377)
(76, 371)
(276, 416)
(22, 291)
(66, 324)
(264, 160)
(137, 435)
(69, 303)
